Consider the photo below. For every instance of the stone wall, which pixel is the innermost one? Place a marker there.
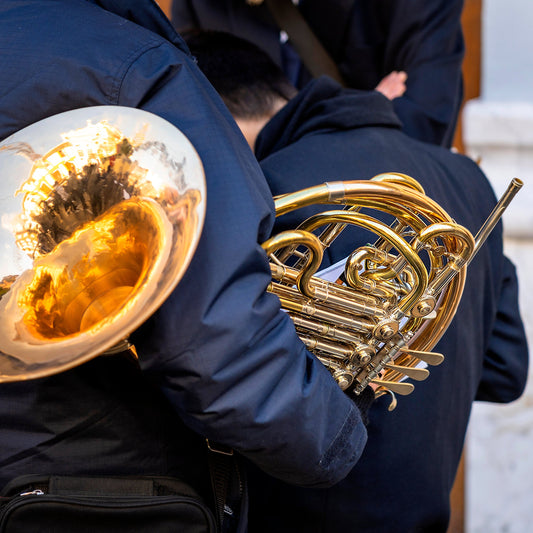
(498, 128)
(499, 471)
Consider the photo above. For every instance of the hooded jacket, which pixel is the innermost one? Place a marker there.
(403, 480)
(218, 359)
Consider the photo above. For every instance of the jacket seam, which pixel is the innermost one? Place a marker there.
(128, 63)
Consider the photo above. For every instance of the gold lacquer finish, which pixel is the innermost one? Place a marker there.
(389, 302)
(102, 214)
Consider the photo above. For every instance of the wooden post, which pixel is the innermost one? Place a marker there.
(471, 22)
(165, 5)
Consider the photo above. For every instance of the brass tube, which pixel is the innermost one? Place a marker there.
(496, 214)
(385, 232)
(290, 301)
(334, 294)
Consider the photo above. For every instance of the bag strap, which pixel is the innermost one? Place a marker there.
(315, 57)
(228, 484)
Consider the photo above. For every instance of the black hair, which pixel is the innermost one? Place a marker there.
(247, 79)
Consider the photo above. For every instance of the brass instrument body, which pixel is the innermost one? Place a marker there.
(395, 299)
(103, 211)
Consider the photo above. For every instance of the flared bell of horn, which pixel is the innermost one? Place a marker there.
(101, 212)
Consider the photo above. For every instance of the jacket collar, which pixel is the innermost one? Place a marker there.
(323, 105)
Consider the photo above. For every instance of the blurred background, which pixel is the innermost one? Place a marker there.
(493, 492)
(497, 128)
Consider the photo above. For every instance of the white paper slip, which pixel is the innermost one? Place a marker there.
(332, 272)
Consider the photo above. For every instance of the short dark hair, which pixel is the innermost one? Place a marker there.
(247, 79)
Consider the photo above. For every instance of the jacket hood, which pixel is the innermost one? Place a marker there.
(145, 13)
(324, 105)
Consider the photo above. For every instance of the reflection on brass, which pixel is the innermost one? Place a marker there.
(109, 222)
(92, 273)
(5, 284)
(377, 323)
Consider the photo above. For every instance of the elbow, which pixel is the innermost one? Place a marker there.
(303, 467)
(341, 456)
(503, 387)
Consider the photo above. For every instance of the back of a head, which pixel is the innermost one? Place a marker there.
(247, 79)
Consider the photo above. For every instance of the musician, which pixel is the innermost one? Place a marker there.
(323, 133)
(367, 40)
(219, 359)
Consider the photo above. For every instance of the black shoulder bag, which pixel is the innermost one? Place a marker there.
(65, 504)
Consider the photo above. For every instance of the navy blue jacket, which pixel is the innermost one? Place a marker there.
(403, 480)
(219, 357)
(367, 40)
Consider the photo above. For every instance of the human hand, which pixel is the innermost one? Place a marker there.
(393, 84)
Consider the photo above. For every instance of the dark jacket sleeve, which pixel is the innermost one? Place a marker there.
(432, 55)
(368, 40)
(220, 348)
(505, 367)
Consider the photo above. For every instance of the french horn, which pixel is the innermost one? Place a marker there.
(101, 212)
(376, 320)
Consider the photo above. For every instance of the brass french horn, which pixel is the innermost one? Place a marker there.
(377, 320)
(103, 211)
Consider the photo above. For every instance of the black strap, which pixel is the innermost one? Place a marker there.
(309, 48)
(228, 484)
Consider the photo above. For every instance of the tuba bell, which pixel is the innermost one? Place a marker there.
(375, 317)
(103, 212)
